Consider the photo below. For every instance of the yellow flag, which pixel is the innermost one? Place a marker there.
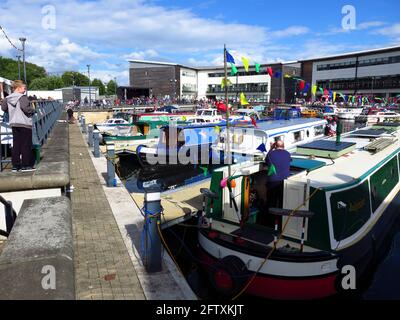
(314, 90)
(246, 64)
(217, 129)
(228, 82)
(287, 76)
(334, 96)
(243, 100)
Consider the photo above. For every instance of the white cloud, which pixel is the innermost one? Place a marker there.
(141, 55)
(370, 24)
(290, 32)
(392, 31)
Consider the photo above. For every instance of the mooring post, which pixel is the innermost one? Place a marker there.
(90, 135)
(83, 125)
(10, 218)
(111, 182)
(152, 206)
(96, 143)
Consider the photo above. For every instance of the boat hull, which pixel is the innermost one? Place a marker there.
(302, 281)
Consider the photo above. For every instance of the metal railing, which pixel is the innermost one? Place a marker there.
(46, 115)
(10, 214)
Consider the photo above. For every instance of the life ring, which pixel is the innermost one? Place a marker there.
(229, 276)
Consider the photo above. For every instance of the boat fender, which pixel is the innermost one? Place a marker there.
(138, 151)
(230, 276)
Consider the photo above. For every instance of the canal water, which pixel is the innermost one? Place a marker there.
(182, 239)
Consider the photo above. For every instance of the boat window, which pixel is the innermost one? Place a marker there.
(279, 138)
(319, 130)
(298, 136)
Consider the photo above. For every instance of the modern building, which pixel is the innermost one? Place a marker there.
(176, 81)
(370, 73)
(79, 93)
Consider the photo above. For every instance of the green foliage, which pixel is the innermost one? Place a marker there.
(71, 78)
(9, 70)
(48, 83)
(111, 87)
(98, 83)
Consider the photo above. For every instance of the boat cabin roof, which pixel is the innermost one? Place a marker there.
(284, 125)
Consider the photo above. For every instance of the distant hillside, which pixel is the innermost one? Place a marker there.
(9, 70)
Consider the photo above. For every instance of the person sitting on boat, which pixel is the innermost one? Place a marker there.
(278, 162)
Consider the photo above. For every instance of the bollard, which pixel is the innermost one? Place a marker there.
(96, 143)
(110, 166)
(152, 205)
(83, 125)
(90, 135)
(10, 217)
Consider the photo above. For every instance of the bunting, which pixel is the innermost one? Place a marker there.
(278, 74)
(229, 58)
(306, 88)
(302, 85)
(246, 64)
(227, 83)
(258, 66)
(234, 70)
(334, 96)
(243, 100)
(314, 90)
(270, 71)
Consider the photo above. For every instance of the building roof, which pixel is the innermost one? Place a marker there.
(354, 54)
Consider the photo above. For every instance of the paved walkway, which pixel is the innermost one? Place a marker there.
(103, 268)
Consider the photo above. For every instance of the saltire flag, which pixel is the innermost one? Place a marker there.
(270, 71)
(229, 58)
(243, 100)
(234, 70)
(258, 66)
(262, 148)
(246, 64)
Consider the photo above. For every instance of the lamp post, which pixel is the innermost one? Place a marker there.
(23, 40)
(19, 66)
(90, 91)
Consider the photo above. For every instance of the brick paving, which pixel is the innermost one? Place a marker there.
(103, 268)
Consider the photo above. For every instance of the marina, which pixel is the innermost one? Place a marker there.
(265, 174)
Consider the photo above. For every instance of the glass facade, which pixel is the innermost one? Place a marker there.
(363, 62)
(367, 83)
(247, 87)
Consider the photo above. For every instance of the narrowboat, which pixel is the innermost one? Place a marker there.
(337, 209)
(249, 142)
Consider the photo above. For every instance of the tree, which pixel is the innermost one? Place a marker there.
(98, 83)
(111, 87)
(9, 70)
(48, 83)
(71, 78)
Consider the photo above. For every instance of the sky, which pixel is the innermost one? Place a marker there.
(65, 35)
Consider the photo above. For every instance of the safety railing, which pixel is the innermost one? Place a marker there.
(10, 214)
(45, 118)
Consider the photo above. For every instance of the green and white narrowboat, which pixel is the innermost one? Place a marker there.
(337, 208)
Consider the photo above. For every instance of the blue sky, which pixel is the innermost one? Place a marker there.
(106, 33)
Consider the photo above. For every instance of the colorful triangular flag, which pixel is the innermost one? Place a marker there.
(243, 100)
(258, 66)
(246, 64)
(229, 58)
(234, 70)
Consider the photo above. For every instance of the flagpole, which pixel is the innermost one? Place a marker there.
(228, 140)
